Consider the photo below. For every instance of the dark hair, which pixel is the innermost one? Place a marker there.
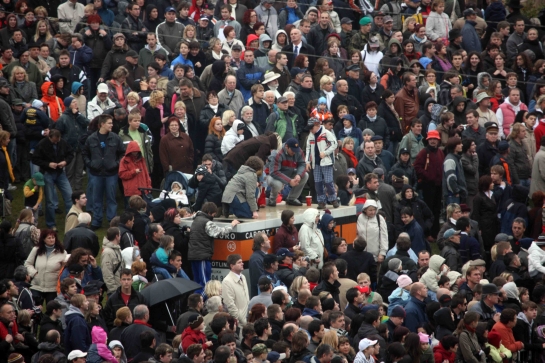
(462, 223)
(126, 217)
(41, 242)
(507, 316)
(399, 333)
(233, 259)
(146, 338)
(260, 325)
(412, 346)
(484, 183)
(323, 349)
(466, 144)
(76, 195)
(351, 294)
(371, 316)
(407, 211)
(387, 93)
(449, 341)
(360, 244)
(314, 326)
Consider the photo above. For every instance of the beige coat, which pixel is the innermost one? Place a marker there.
(530, 142)
(44, 270)
(235, 296)
(72, 218)
(538, 171)
(111, 261)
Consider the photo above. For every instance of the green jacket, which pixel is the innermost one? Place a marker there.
(145, 139)
(358, 41)
(276, 122)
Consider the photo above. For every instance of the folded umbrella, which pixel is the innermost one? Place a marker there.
(164, 290)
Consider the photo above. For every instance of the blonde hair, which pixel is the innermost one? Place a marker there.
(188, 27)
(330, 338)
(154, 98)
(226, 116)
(89, 7)
(92, 304)
(134, 95)
(348, 140)
(296, 285)
(135, 113)
(121, 315)
(325, 80)
(23, 317)
(212, 288)
(363, 276)
(15, 70)
(406, 23)
(47, 32)
(180, 104)
(506, 275)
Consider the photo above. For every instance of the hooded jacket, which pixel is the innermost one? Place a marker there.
(430, 276)
(55, 105)
(72, 127)
(422, 213)
(76, 334)
(247, 76)
(311, 239)
(145, 139)
(99, 351)
(328, 234)
(50, 348)
(231, 138)
(133, 180)
(242, 185)
(374, 230)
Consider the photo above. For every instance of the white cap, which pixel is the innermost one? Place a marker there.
(37, 103)
(102, 88)
(75, 354)
(366, 343)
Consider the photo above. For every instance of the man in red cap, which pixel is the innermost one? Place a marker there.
(429, 171)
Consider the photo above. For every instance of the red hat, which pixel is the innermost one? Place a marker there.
(433, 134)
(494, 338)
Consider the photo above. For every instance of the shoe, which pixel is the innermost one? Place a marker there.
(94, 228)
(294, 202)
(335, 204)
(40, 213)
(321, 205)
(58, 211)
(11, 187)
(271, 203)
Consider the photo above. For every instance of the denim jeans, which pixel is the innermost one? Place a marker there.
(61, 181)
(104, 186)
(525, 182)
(12, 151)
(452, 199)
(241, 210)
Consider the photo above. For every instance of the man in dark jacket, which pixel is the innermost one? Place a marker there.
(416, 307)
(51, 345)
(126, 222)
(96, 38)
(51, 319)
(403, 245)
(261, 110)
(134, 28)
(285, 272)
(71, 73)
(368, 162)
(117, 299)
(156, 231)
(82, 236)
(317, 37)
(260, 247)
(260, 146)
(147, 344)
(248, 74)
(371, 320)
(136, 71)
(329, 283)
(130, 338)
(80, 54)
(52, 155)
(489, 148)
(305, 95)
(102, 153)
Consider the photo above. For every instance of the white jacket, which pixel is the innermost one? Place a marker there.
(72, 12)
(235, 296)
(231, 138)
(371, 59)
(94, 110)
(327, 143)
(368, 228)
(311, 238)
(438, 26)
(536, 259)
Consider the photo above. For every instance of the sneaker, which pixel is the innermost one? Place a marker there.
(12, 187)
(321, 205)
(294, 202)
(271, 203)
(335, 204)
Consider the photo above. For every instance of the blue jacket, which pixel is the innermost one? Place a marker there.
(91, 273)
(415, 314)
(311, 312)
(355, 133)
(76, 334)
(81, 57)
(247, 76)
(415, 231)
(470, 41)
(470, 249)
(167, 72)
(180, 59)
(106, 15)
(329, 234)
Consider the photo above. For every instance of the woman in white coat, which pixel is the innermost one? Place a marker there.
(232, 137)
(311, 238)
(438, 24)
(373, 228)
(44, 264)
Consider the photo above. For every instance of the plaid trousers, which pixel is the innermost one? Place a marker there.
(323, 182)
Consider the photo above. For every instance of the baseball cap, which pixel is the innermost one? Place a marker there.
(102, 88)
(373, 41)
(366, 343)
(75, 354)
(491, 125)
(388, 19)
(503, 146)
(293, 144)
(403, 150)
(451, 232)
(379, 13)
(296, 70)
(477, 262)
(501, 237)
(351, 170)
(204, 18)
(131, 53)
(236, 47)
(169, 9)
(353, 67)
(346, 20)
(445, 299)
(433, 134)
(275, 356)
(17, 102)
(38, 178)
(269, 259)
(283, 252)
(281, 99)
(91, 289)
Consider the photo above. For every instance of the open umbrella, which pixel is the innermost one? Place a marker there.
(163, 290)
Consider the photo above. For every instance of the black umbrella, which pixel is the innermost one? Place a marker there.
(164, 290)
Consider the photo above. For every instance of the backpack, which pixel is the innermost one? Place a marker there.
(23, 239)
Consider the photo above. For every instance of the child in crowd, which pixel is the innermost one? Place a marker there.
(313, 276)
(321, 112)
(99, 351)
(176, 193)
(207, 187)
(34, 193)
(133, 171)
(498, 352)
(343, 192)
(366, 348)
(139, 271)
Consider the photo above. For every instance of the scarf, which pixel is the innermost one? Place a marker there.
(351, 155)
(348, 131)
(469, 328)
(8, 161)
(5, 330)
(372, 119)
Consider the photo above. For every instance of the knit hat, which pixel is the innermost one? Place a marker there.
(15, 358)
(494, 338)
(394, 264)
(201, 170)
(67, 101)
(398, 312)
(195, 320)
(404, 281)
(424, 338)
(158, 213)
(525, 243)
(368, 132)
(259, 349)
(322, 101)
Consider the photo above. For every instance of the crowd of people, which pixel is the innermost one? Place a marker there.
(427, 117)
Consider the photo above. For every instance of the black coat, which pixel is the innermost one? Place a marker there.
(485, 213)
(116, 302)
(354, 106)
(379, 127)
(212, 145)
(302, 99)
(44, 153)
(360, 262)
(46, 324)
(11, 255)
(81, 236)
(394, 126)
(333, 289)
(369, 95)
(146, 251)
(153, 120)
(139, 227)
(180, 243)
(209, 189)
(305, 49)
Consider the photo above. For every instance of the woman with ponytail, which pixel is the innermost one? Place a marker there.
(469, 348)
(123, 318)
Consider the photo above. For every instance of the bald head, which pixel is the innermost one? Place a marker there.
(304, 321)
(417, 286)
(442, 291)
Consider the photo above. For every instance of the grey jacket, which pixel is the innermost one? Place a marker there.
(242, 185)
(470, 164)
(513, 43)
(454, 181)
(519, 157)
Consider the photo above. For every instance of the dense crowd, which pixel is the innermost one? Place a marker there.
(426, 117)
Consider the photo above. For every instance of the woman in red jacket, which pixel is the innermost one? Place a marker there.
(133, 171)
(194, 334)
(287, 235)
(508, 320)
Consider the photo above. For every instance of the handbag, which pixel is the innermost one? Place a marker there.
(325, 255)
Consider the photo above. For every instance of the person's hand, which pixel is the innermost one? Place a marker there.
(164, 119)
(380, 258)
(92, 261)
(135, 33)
(296, 248)
(317, 260)
(497, 317)
(293, 182)
(235, 222)
(137, 171)
(20, 337)
(198, 64)
(446, 361)
(9, 338)
(30, 311)
(62, 164)
(102, 32)
(209, 344)
(143, 85)
(100, 80)
(502, 355)
(298, 177)
(322, 155)
(503, 73)
(460, 128)
(35, 208)
(308, 167)
(88, 32)
(53, 165)
(255, 215)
